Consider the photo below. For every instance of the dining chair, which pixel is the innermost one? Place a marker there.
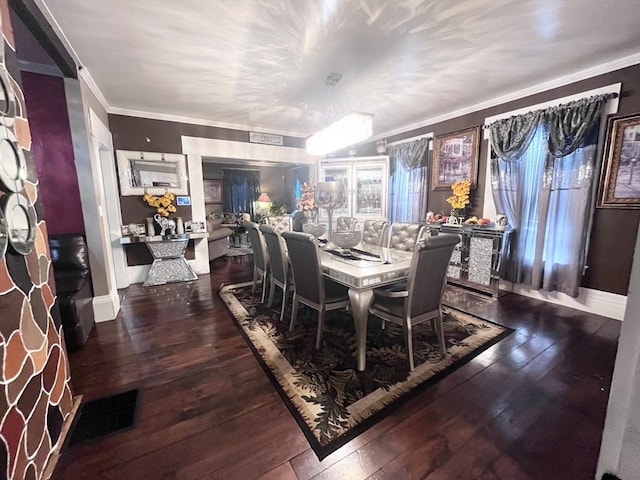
(278, 266)
(346, 223)
(373, 232)
(421, 299)
(260, 258)
(311, 287)
(282, 224)
(404, 236)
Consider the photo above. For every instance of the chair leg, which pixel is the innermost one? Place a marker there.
(255, 282)
(408, 342)
(264, 286)
(437, 327)
(294, 311)
(272, 292)
(285, 291)
(320, 327)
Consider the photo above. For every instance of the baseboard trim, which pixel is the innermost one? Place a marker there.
(602, 303)
(106, 307)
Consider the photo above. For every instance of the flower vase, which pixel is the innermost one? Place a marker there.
(151, 227)
(462, 215)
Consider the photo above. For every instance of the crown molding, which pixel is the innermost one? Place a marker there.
(542, 87)
(201, 121)
(85, 75)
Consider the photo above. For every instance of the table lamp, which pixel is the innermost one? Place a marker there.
(263, 202)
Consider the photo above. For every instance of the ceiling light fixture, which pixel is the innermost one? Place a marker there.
(350, 129)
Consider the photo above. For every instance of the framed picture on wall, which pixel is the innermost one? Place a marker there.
(212, 191)
(620, 178)
(455, 157)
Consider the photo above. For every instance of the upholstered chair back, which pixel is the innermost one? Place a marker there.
(258, 245)
(428, 273)
(281, 224)
(373, 232)
(275, 249)
(305, 264)
(405, 236)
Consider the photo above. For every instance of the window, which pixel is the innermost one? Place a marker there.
(543, 181)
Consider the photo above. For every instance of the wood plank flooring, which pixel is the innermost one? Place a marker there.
(530, 407)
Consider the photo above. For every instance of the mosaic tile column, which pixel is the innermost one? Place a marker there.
(36, 395)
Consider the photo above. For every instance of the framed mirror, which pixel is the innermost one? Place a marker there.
(21, 222)
(3, 235)
(154, 173)
(6, 97)
(13, 167)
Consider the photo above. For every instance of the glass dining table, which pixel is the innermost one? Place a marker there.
(362, 269)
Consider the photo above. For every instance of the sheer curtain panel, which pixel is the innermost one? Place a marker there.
(407, 186)
(542, 178)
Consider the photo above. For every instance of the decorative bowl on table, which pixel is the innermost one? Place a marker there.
(346, 239)
(315, 229)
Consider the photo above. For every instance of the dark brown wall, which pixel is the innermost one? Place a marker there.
(146, 135)
(133, 133)
(614, 230)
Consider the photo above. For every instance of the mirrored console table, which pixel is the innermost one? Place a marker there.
(169, 264)
(477, 259)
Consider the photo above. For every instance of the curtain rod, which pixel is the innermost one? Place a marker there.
(410, 139)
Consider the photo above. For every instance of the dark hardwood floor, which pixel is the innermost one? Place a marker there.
(532, 406)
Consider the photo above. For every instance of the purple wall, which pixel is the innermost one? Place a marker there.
(53, 152)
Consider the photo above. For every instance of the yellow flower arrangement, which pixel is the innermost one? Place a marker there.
(460, 197)
(163, 204)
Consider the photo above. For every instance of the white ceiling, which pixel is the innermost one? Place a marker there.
(263, 63)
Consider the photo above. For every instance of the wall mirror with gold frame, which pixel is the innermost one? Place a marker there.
(154, 173)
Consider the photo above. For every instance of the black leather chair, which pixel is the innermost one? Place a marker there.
(70, 258)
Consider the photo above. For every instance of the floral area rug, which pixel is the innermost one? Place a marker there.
(332, 401)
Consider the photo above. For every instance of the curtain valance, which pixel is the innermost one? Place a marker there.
(567, 124)
(409, 154)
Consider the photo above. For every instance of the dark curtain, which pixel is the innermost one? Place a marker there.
(240, 190)
(543, 180)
